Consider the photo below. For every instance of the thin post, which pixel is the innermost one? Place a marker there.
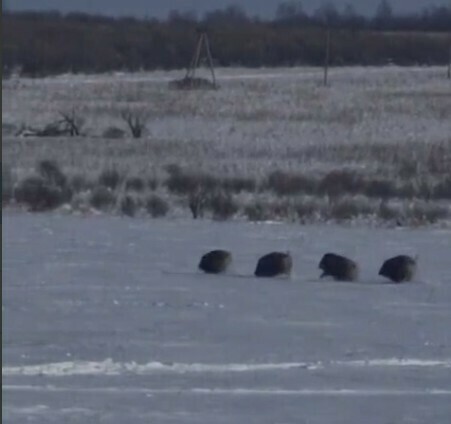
(327, 56)
(449, 62)
(210, 60)
(194, 61)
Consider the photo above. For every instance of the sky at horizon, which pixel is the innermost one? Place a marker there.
(161, 8)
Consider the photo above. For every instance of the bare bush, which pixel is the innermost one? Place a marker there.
(110, 178)
(7, 185)
(426, 212)
(193, 83)
(38, 195)
(136, 119)
(180, 183)
(46, 191)
(80, 183)
(347, 208)
(72, 122)
(197, 201)
(382, 189)
(239, 184)
(102, 198)
(128, 206)
(50, 171)
(442, 189)
(223, 206)
(258, 211)
(306, 209)
(135, 184)
(341, 182)
(156, 206)
(388, 212)
(283, 183)
(113, 133)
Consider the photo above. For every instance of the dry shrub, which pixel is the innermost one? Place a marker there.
(388, 212)
(50, 171)
(426, 212)
(156, 206)
(258, 211)
(128, 205)
(284, 183)
(239, 184)
(113, 133)
(110, 178)
(442, 189)
(46, 191)
(193, 83)
(307, 209)
(135, 118)
(80, 183)
(347, 208)
(7, 185)
(223, 206)
(38, 195)
(102, 198)
(341, 182)
(135, 184)
(197, 202)
(382, 189)
(179, 183)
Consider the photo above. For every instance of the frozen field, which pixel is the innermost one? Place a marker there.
(258, 121)
(385, 132)
(108, 320)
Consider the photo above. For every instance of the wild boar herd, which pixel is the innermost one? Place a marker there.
(397, 269)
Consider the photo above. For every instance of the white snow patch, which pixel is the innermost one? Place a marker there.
(396, 362)
(234, 391)
(109, 367)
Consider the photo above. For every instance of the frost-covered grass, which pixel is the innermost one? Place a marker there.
(391, 126)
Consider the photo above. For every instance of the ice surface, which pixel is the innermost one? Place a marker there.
(106, 319)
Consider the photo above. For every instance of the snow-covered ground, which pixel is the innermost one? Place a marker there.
(106, 319)
(258, 121)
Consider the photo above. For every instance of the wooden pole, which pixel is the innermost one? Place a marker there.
(449, 62)
(210, 60)
(327, 57)
(194, 61)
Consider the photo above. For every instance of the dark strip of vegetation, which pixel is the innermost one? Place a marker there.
(50, 43)
(339, 195)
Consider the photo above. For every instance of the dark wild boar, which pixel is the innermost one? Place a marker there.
(399, 268)
(215, 262)
(272, 264)
(339, 267)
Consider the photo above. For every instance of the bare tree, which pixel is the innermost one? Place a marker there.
(135, 119)
(72, 122)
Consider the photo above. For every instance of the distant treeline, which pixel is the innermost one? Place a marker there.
(42, 43)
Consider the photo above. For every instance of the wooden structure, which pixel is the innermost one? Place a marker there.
(190, 81)
(448, 73)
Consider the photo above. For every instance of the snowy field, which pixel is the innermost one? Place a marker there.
(387, 128)
(107, 320)
(258, 121)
